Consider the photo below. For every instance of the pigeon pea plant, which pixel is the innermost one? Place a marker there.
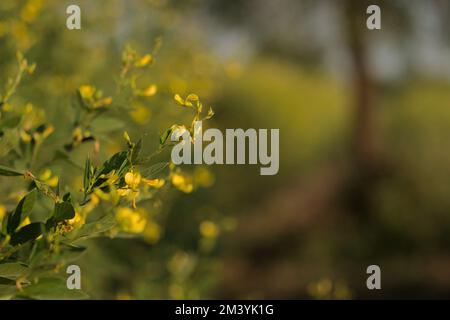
(33, 250)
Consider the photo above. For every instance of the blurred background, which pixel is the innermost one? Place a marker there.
(364, 119)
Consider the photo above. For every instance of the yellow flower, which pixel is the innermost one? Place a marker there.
(191, 98)
(123, 192)
(209, 229)
(93, 202)
(129, 195)
(123, 296)
(179, 100)
(7, 107)
(152, 232)
(132, 179)
(30, 10)
(48, 131)
(53, 182)
(103, 102)
(140, 114)
(176, 292)
(102, 195)
(130, 221)
(126, 137)
(155, 183)
(203, 177)
(31, 69)
(180, 262)
(48, 177)
(145, 60)
(148, 92)
(182, 182)
(2, 211)
(24, 223)
(320, 289)
(87, 91)
(25, 136)
(77, 134)
(28, 108)
(46, 174)
(77, 220)
(111, 177)
(188, 102)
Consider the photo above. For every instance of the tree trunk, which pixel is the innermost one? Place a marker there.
(364, 145)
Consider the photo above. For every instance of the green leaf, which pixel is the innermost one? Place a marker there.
(58, 188)
(27, 233)
(12, 270)
(136, 151)
(52, 289)
(66, 254)
(152, 171)
(8, 282)
(163, 138)
(22, 210)
(63, 211)
(7, 292)
(67, 197)
(87, 174)
(118, 162)
(94, 228)
(10, 123)
(9, 141)
(5, 171)
(114, 163)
